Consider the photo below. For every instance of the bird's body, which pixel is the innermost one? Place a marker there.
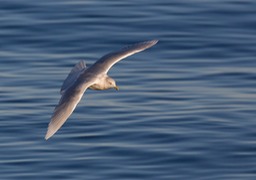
(94, 77)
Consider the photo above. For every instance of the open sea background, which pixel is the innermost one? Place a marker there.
(185, 109)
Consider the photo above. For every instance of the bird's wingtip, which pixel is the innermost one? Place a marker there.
(150, 43)
(153, 41)
(48, 135)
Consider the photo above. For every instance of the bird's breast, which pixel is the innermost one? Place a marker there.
(96, 87)
(99, 86)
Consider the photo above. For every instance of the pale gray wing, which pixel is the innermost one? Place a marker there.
(66, 106)
(72, 76)
(107, 61)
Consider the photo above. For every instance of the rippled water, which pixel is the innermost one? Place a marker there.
(185, 109)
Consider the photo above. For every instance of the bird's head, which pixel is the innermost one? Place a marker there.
(111, 83)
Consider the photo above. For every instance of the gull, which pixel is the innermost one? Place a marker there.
(94, 77)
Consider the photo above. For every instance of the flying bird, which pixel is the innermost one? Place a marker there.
(94, 77)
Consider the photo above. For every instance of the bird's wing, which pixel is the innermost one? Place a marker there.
(107, 61)
(68, 102)
(72, 76)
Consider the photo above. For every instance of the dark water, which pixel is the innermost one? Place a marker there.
(185, 109)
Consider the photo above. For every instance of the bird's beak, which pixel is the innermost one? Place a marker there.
(117, 88)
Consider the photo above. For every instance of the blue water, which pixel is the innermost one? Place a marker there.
(185, 109)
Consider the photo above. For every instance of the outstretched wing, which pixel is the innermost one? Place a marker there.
(72, 76)
(68, 102)
(107, 61)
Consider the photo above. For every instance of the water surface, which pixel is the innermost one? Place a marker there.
(185, 109)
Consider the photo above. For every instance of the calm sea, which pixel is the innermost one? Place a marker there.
(185, 109)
